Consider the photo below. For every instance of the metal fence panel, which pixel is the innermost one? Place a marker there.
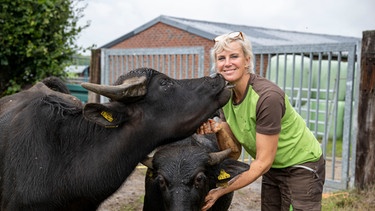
(320, 81)
(179, 63)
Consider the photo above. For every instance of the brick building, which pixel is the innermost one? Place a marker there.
(172, 32)
(317, 71)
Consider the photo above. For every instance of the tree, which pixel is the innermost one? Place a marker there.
(37, 40)
(365, 159)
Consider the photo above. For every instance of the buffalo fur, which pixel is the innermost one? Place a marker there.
(181, 177)
(56, 154)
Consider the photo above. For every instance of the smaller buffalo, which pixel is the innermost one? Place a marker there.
(180, 174)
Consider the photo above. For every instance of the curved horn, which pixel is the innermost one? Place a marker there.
(131, 87)
(217, 157)
(148, 162)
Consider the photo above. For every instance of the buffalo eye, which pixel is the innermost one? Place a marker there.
(163, 82)
(161, 181)
(166, 83)
(200, 180)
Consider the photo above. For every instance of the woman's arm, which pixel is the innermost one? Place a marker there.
(224, 136)
(226, 140)
(266, 151)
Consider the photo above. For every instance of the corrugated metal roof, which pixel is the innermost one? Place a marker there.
(259, 36)
(76, 68)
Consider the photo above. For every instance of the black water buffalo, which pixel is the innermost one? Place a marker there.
(57, 154)
(181, 174)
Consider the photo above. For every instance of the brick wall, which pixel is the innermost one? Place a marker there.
(161, 35)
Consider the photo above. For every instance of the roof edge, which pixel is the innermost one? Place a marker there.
(172, 21)
(163, 19)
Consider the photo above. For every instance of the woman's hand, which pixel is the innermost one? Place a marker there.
(224, 135)
(211, 126)
(211, 198)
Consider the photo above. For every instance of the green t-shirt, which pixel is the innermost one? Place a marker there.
(267, 110)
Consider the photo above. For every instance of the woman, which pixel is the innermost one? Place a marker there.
(260, 118)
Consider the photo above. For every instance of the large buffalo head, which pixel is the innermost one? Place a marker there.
(151, 99)
(181, 174)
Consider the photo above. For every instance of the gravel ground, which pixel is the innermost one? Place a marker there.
(130, 196)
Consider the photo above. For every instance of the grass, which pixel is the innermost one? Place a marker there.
(359, 200)
(134, 206)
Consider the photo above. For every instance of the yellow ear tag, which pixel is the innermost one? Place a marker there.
(223, 175)
(107, 116)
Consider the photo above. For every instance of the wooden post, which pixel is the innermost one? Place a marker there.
(365, 159)
(95, 71)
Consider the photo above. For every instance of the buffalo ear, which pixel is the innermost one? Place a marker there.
(228, 169)
(102, 115)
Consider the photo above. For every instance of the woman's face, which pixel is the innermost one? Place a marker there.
(232, 64)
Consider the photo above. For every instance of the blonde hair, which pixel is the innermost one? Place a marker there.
(222, 44)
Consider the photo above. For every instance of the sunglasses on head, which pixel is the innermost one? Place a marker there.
(231, 35)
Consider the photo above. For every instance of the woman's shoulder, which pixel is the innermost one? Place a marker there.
(263, 85)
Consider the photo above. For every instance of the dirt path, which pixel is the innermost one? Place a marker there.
(130, 196)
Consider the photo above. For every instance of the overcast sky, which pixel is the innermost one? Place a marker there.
(110, 19)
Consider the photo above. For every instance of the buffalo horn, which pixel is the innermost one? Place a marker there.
(131, 87)
(217, 157)
(148, 162)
